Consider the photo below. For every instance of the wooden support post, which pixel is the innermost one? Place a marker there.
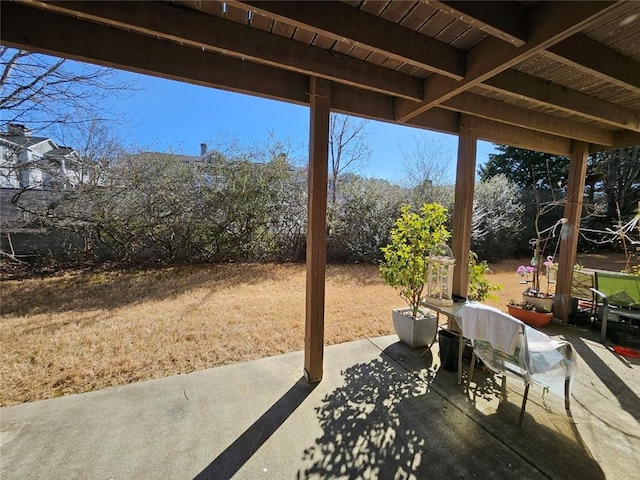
(316, 228)
(569, 234)
(463, 206)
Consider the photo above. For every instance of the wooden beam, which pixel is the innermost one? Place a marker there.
(506, 20)
(570, 230)
(199, 30)
(550, 23)
(521, 117)
(463, 206)
(625, 139)
(375, 106)
(589, 56)
(47, 32)
(320, 92)
(437, 119)
(38, 30)
(35, 29)
(622, 139)
(542, 92)
(342, 22)
(502, 133)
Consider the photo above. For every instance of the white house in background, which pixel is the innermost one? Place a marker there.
(30, 162)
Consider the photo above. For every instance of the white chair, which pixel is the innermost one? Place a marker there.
(508, 347)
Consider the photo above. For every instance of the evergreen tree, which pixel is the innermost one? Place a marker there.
(526, 168)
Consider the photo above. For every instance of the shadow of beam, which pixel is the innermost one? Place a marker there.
(227, 464)
(629, 401)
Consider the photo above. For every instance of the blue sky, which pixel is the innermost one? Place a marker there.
(168, 115)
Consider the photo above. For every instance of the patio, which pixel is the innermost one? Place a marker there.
(556, 77)
(381, 411)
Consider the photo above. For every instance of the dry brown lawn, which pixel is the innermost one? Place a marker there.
(80, 332)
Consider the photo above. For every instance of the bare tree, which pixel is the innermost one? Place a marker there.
(427, 162)
(349, 149)
(98, 146)
(270, 148)
(426, 170)
(40, 90)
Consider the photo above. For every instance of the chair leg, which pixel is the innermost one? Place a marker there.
(473, 362)
(567, 383)
(503, 388)
(524, 404)
(567, 397)
(605, 315)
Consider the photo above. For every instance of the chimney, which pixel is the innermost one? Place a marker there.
(19, 130)
(203, 149)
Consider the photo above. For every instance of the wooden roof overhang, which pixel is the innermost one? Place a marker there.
(558, 77)
(530, 74)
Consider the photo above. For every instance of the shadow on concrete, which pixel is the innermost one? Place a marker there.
(627, 398)
(227, 464)
(391, 420)
(366, 433)
(548, 438)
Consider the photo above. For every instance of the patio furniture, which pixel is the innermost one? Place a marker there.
(583, 308)
(508, 347)
(619, 311)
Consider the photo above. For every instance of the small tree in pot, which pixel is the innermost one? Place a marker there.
(405, 266)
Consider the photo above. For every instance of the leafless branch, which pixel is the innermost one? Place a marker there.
(41, 91)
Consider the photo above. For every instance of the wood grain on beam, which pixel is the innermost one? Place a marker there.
(591, 57)
(569, 234)
(437, 119)
(342, 22)
(625, 139)
(47, 32)
(622, 139)
(491, 109)
(320, 92)
(230, 38)
(506, 20)
(502, 133)
(463, 205)
(550, 23)
(542, 92)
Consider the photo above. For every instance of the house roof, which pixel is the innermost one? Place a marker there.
(25, 142)
(531, 74)
(60, 151)
(177, 156)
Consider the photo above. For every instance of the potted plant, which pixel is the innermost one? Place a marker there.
(405, 268)
(532, 293)
(529, 313)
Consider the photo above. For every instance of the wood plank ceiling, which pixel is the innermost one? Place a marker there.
(531, 74)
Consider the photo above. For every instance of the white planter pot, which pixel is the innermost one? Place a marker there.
(539, 302)
(414, 332)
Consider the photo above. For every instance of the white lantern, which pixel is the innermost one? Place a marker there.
(440, 276)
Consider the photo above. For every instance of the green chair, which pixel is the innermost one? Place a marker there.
(584, 300)
(619, 294)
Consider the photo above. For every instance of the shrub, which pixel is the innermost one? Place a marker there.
(479, 287)
(497, 219)
(363, 219)
(406, 257)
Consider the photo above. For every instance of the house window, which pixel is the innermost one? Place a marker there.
(25, 178)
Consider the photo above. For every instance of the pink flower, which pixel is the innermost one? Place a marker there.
(522, 270)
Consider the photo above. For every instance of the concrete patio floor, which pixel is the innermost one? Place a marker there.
(381, 411)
